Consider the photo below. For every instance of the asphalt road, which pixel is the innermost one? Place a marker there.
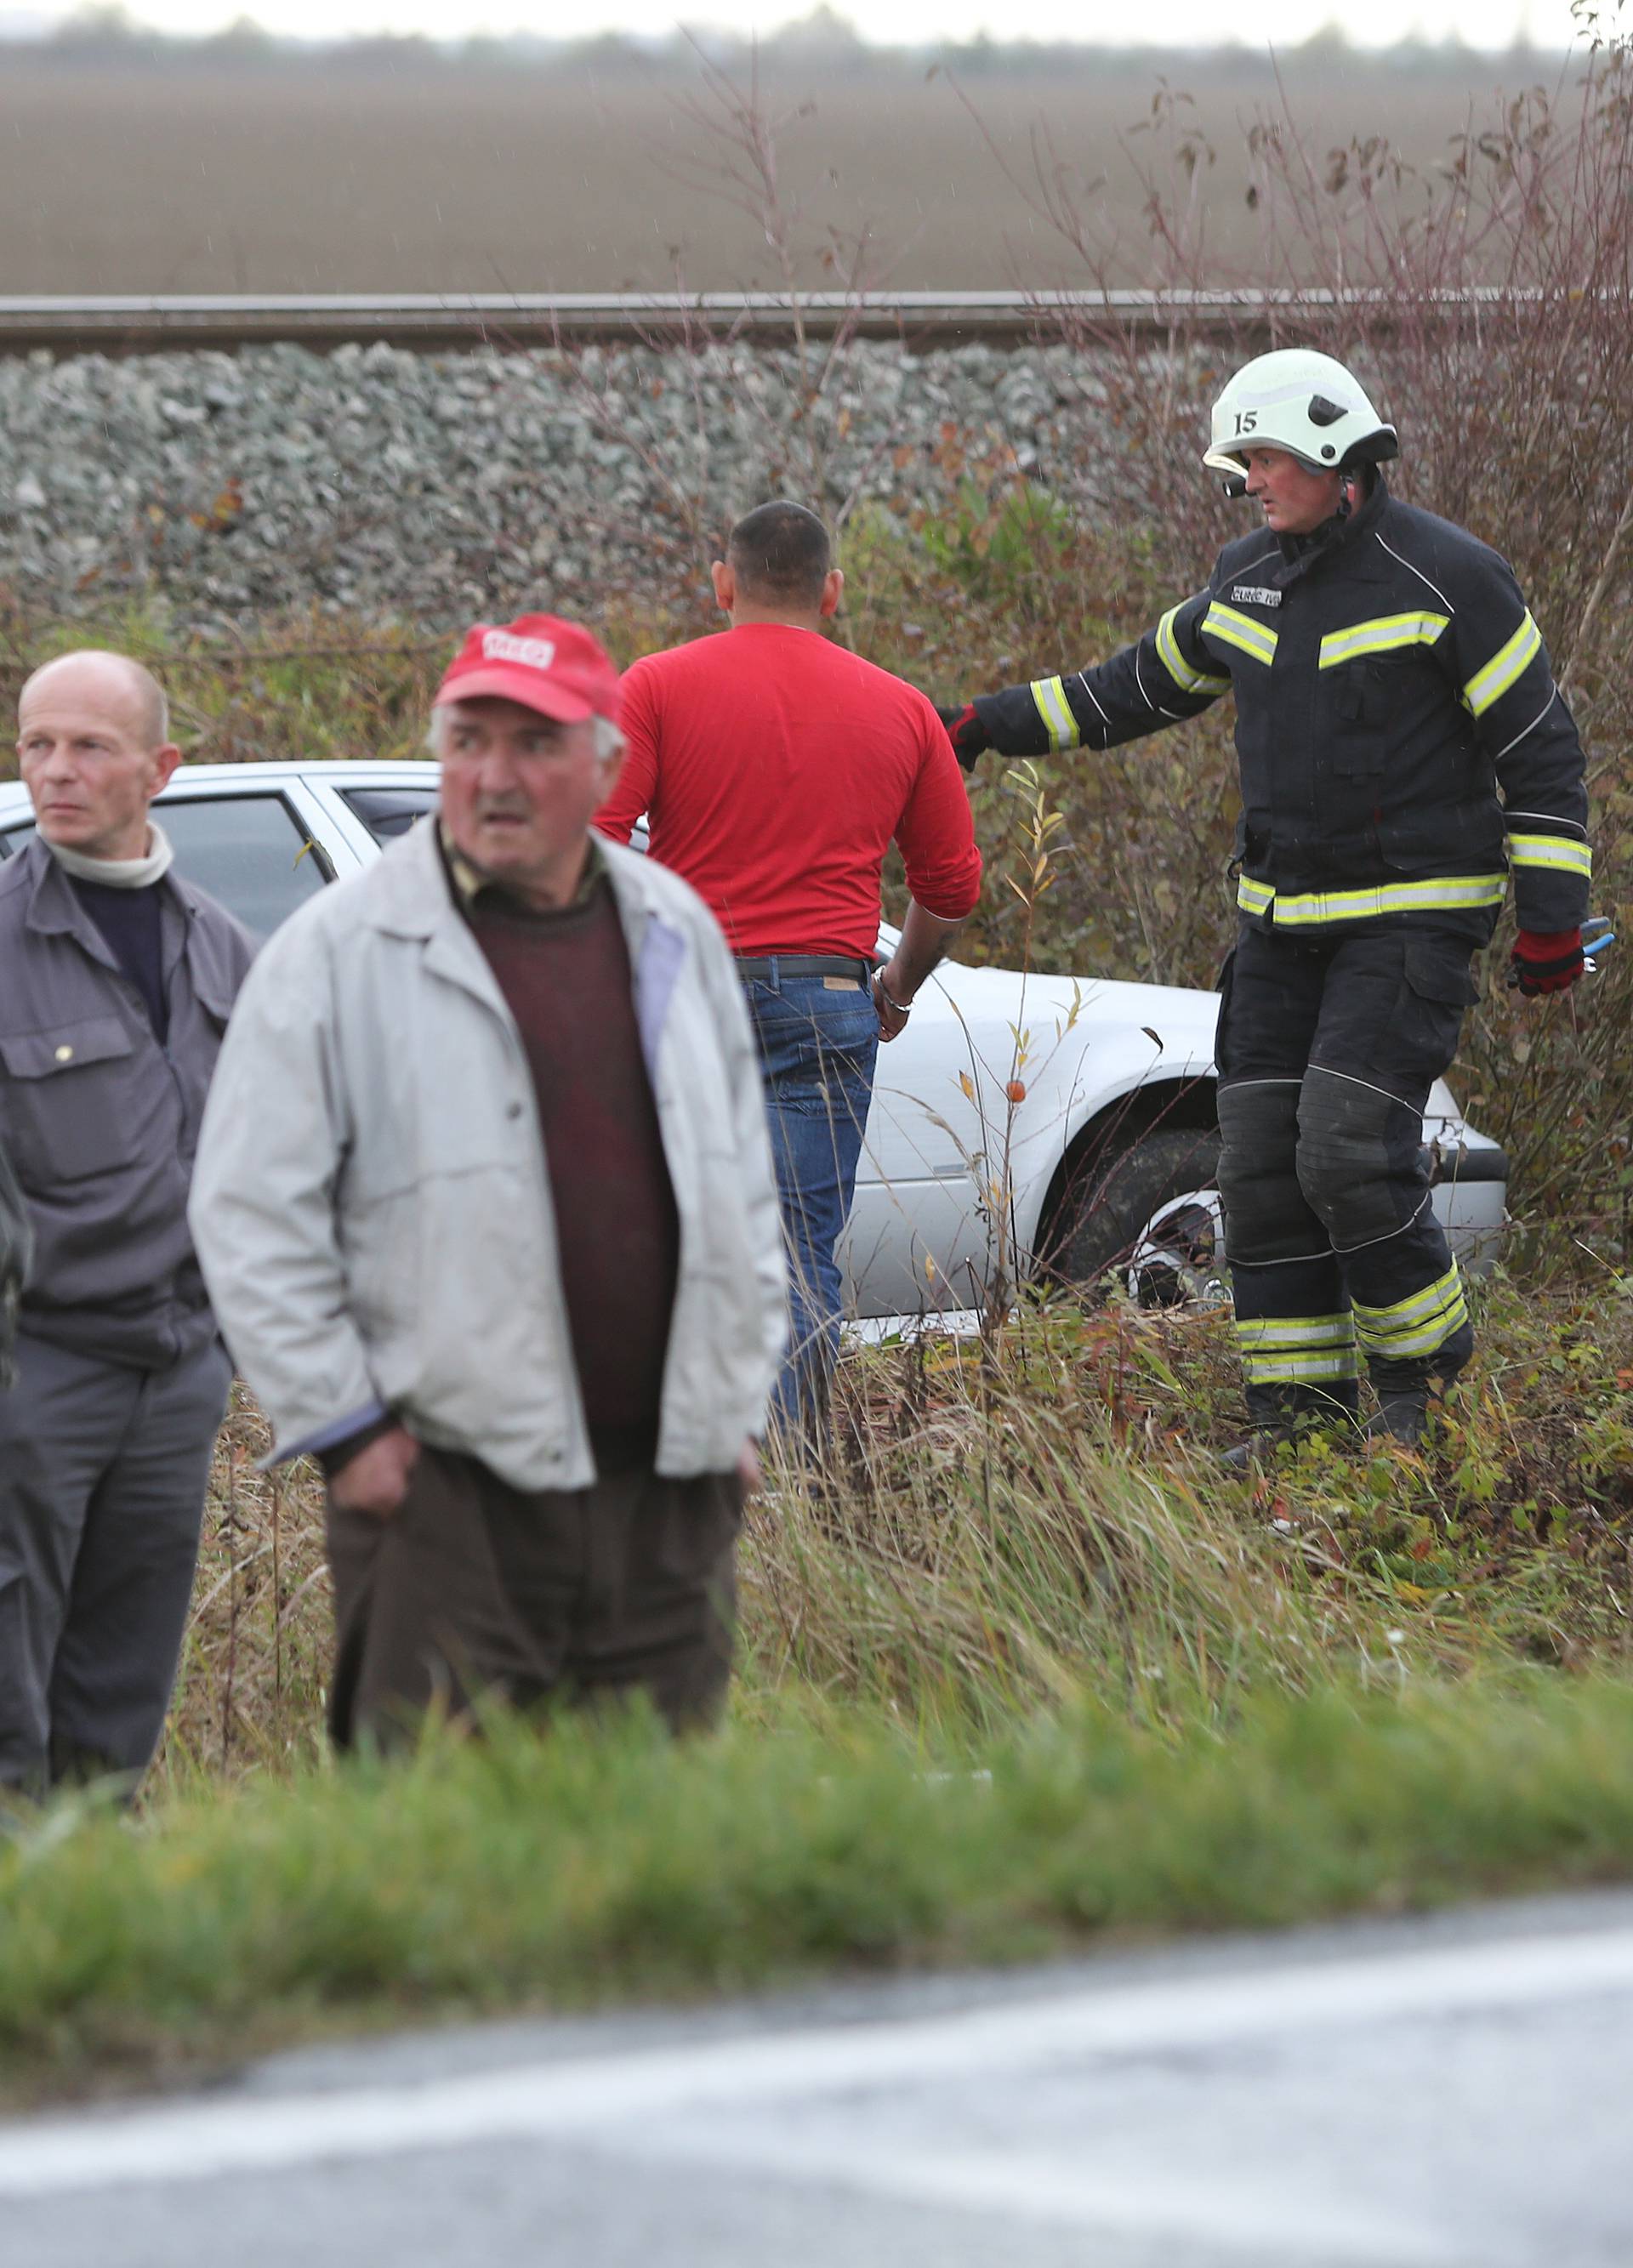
(1454, 2094)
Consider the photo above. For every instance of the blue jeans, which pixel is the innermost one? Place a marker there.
(817, 1038)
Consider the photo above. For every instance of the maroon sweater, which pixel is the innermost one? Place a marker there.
(566, 977)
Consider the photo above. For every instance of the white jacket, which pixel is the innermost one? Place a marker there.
(371, 1202)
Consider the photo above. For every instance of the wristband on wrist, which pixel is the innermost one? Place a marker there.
(902, 1007)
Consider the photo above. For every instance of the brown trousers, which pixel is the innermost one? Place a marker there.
(472, 1587)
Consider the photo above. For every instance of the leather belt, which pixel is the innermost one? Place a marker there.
(805, 964)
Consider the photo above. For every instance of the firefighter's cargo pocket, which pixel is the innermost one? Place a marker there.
(1438, 969)
(1436, 988)
(1361, 699)
(1356, 748)
(1355, 703)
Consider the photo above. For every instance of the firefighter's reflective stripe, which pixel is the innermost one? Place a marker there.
(1312, 908)
(1049, 693)
(1188, 680)
(1283, 1349)
(1419, 1325)
(1240, 630)
(1383, 635)
(1504, 669)
(1552, 850)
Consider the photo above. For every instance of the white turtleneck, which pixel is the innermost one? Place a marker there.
(119, 873)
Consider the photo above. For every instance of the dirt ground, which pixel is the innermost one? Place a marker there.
(405, 173)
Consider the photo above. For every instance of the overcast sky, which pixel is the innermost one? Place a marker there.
(1181, 23)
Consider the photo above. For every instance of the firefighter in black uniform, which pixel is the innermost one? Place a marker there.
(1403, 749)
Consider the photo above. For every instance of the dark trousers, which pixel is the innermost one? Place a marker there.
(1327, 1049)
(474, 1589)
(103, 1470)
(819, 1038)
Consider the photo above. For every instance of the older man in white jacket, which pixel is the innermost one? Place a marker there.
(484, 1201)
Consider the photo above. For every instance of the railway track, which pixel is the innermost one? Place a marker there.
(139, 324)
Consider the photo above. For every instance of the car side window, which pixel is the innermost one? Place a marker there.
(249, 851)
(389, 810)
(246, 851)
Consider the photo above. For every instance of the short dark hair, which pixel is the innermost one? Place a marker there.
(779, 552)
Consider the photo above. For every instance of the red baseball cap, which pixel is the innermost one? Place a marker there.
(539, 660)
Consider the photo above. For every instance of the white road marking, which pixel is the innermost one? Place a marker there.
(595, 2098)
(1234, 2216)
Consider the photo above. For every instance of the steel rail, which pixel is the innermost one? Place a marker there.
(134, 323)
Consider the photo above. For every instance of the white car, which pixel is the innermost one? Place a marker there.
(1022, 1124)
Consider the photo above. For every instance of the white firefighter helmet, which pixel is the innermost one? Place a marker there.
(1303, 403)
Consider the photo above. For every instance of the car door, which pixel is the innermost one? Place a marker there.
(918, 1239)
(258, 854)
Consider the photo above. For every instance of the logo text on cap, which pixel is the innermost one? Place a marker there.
(505, 645)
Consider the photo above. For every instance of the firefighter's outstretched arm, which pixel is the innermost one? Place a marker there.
(1173, 672)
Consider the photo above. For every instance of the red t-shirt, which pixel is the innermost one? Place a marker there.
(774, 769)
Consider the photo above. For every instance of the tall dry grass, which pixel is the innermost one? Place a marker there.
(1011, 1526)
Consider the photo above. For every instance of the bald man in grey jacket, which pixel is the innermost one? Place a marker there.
(119, 977)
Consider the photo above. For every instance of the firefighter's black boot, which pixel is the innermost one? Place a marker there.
(1259, 1448)
(1407, 1391)
(1405, 1403)
(1283, 1413)
(1402, 1415)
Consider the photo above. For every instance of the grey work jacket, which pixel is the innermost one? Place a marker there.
(101, 1123)
(17, 1246)
(372, 1205)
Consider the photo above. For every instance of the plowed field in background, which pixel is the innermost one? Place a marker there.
(278, 176)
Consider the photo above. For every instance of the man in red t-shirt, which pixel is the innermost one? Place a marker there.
(775, 769)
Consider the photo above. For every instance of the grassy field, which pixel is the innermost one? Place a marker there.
(1025, 1676)
(390, 171)
(1009, 1527)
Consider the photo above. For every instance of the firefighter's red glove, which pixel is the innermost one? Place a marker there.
(966, 731)
(1548, 961)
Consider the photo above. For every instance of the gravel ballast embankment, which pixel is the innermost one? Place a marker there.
(379, 483)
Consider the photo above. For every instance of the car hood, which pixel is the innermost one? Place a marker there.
(1181, 1017)
(1179, 1020)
